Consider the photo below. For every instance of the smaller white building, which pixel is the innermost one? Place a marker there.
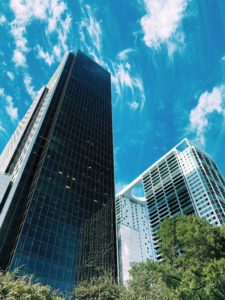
(133, 230)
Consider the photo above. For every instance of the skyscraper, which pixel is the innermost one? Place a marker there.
(184, 181)
(57, 175)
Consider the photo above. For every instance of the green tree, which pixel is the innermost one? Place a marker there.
(193, 265)
(102, 288)
(146, 283)
(13, 287)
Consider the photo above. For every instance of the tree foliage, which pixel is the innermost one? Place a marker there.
(146, 283)
(103, 288)
(193, 265)
(13, 287)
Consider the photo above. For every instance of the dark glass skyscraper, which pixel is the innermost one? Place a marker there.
(57, 180)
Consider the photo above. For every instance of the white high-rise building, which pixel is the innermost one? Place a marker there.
(184, 181)
(133, 230)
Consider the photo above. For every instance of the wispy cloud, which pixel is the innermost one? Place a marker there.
(2, 92)
(57, 52)
(162, 23)
(54, 9)
(123, 55)
(19, 58)
(63, 32)
(126, 77)
(2, 128)
(11, 109)
(123, 74)
(28, 85)
(46, 56)
(59, 23)
(208, 103)
(2, 19)
(52, 13)
(90, 24)
(133, 105)
(138, 82)
(90, 27)
(10, 75)
(91, 33)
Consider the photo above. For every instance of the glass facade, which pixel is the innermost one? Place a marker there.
(67, 181)
(96, 245)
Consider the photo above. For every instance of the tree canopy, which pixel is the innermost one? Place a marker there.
(193, 265)
(103, 288)
(13, 287)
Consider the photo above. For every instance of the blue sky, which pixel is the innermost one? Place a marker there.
(167, 60)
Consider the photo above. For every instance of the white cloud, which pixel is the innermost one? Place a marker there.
(18, 32)
(11, 110)
(138, 82)
(161, 24)
(133, 105)
(208, 103)
(19, 58)
(66, 24)
(25, 9)
(2, 128)
(127, 65)
(2, 92)
(61, 26)
(2, 19)
(46, 56)
(92, 26)
(63, 31)
(10, 75)
(55, 10)
(28, 85)
(123, 55)
(123, 77)
(52, 13)
(91, 34)
(122, 74)
(57, 52)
